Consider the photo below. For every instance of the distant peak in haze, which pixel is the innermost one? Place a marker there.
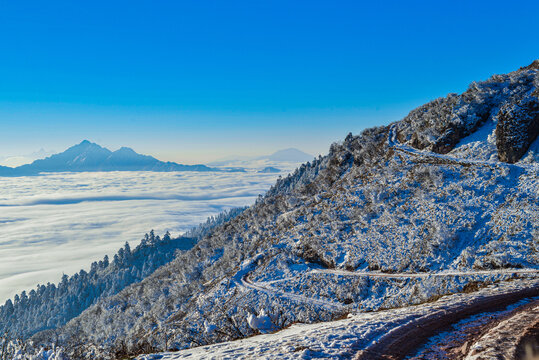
(84, 145)
(125, 149)
(290, 154)
(87, 143)
(89, 156)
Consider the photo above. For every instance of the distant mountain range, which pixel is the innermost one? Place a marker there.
(88, 156)
(292, 155)
(269, 170)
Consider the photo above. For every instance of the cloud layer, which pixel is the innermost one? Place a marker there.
(59, 223)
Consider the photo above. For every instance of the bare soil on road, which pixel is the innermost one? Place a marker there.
(408, 338)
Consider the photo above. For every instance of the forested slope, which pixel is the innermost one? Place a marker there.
(49, 306)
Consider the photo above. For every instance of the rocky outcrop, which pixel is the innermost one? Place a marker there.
(424, 125)
(517, 128)
(511, 99)
(533, 66)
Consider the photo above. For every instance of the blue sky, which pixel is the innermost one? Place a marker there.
(193, 81)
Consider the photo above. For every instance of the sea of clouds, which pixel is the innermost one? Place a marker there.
(61, 222)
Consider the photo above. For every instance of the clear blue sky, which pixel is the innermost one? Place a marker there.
(193, 81)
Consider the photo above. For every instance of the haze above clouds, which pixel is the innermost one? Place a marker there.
(15, 160)
(61, 222)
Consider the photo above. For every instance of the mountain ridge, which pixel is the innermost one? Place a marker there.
(89, 156)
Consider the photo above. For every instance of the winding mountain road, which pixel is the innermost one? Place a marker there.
(404, 338)
(330, 305)
(246, 282)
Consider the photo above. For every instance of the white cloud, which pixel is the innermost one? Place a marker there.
(60, 223)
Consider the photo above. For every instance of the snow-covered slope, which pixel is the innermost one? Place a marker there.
(339, 339)
(396, 216)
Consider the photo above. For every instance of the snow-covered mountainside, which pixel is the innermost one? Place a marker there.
(88, 156)
(341, 339)
(444, 201)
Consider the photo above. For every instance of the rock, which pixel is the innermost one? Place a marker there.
(517, 128)
(533, 66)
(464, 348)
(441, 124)
(447, 141)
